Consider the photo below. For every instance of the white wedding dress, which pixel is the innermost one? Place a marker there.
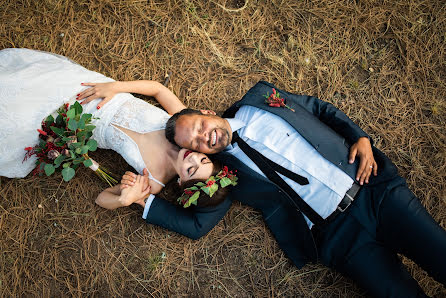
(34, 84)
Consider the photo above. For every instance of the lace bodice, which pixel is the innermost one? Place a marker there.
(135, 115)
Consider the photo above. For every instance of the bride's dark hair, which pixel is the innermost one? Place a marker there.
(205, 200)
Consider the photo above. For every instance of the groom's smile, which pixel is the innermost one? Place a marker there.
(203, 133)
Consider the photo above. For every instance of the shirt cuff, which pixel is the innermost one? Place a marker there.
(147, 206)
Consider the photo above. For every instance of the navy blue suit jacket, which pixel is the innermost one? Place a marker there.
(326, 128)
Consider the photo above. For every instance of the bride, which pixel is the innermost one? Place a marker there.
(33, 84)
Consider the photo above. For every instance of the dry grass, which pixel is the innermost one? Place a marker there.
(382, 62)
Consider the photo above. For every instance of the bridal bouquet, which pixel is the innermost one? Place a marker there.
(64, 143)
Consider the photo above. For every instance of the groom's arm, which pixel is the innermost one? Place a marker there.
(192, 222)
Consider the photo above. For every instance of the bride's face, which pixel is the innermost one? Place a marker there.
(193, 165)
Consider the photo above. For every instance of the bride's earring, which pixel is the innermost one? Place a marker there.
(179, 181)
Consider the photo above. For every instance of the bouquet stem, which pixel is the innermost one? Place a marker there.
(102, 172)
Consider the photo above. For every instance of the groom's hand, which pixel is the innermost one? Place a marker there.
(363, 149)
(129, 178)
(136, 193)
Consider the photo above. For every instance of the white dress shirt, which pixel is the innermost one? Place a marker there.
(280, 142)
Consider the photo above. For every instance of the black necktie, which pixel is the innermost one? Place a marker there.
(270, 169)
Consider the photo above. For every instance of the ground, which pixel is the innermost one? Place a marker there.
(381, 62)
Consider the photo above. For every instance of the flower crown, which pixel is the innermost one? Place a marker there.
(191, 194)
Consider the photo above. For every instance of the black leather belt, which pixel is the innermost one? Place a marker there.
(348, 199)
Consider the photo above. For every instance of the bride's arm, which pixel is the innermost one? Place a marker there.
(163, 95)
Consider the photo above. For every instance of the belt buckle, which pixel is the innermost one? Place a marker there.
(345, 208)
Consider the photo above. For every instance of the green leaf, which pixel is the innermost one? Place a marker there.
(88, 163)
(72, 124)
(68, 173)
(66, 165)
(76, 145)
(77, 108)
(89, 127)
(59, 159)
(86, 117)
(199, 184)
(59, 120)
(71, 113)
(57, 131)
(225, 181)
(78, 151)
(49, 120)
(49, 169)
(205, 189)
(193, 199)
(92, 145)
(84, 149)
(212, 189)
(81, 124)
(89, 135)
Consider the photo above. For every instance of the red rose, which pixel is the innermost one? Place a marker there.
(210, 183)
(29, 148)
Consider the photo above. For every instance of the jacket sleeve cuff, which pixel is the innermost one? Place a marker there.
(147, 205)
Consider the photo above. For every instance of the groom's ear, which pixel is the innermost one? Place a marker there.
(208, 112)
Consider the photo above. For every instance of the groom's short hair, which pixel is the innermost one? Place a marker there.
(172, 122)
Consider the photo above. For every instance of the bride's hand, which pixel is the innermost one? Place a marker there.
(98, 90)
(136, 193)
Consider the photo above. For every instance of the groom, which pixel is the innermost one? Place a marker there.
(324, 191)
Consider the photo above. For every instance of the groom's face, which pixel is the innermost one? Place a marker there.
(203, 133)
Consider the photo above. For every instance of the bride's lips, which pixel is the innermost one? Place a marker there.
(186, 153)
